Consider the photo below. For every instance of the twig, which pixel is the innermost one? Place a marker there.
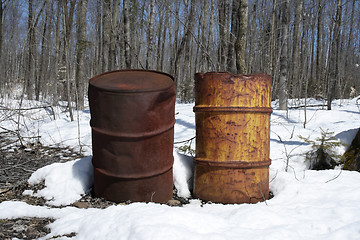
(303, 106)
(274, 176)
(334, 177)
(188, 140)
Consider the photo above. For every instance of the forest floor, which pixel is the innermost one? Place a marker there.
(17, 163)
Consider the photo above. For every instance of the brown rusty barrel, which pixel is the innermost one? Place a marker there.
(132, 121)
(232, 114)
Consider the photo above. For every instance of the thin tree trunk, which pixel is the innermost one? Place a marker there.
(187, 59)
(318, 49)
(30, 66)
(113, 34)
(2, 8)
(284, 56)
(68, 14)
(100, 37)
(240, 44)
(252, 34)
(231, 59)
(82, 43)
(223, 33)
(106, 34)
(42, 61)
(150, 33)
(211, 36)
(57, 55)
(203, 24)
(296, 48)
(334, 60)
(126, 9)
(273, 41)
(175, 43)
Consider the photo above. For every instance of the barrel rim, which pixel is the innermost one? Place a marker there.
(131, 90)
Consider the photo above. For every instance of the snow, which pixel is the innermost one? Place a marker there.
(307, 204)
(64, 182)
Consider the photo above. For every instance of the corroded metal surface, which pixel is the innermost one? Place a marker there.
(232, 114)
(132, 120)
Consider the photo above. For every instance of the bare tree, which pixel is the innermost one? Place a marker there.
(106, 34)
(2, 9)
(114, 34)
(284, 56)
(223, 8)
(240, 44)
(150, 49)
(80, 76)
(318, 48)
(335, 47)
(231, 59)
(30, 65)
(296, 46)
(126, 9)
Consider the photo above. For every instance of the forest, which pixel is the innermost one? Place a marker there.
(51, 48)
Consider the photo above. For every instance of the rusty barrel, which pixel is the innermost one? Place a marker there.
(132, 121)
(232, 114)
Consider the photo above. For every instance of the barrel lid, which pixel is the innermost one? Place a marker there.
(132, 81)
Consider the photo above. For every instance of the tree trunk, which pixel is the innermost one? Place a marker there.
(2, 8)
(240, 44)
(164, 18)
(150, 33)
(211, 36)
(114, 34)
(296, 47)
(223, 33)
(106, 34)
(273, 42)
(40, 79)
(318, 50)
(99, 59)
(30, 67)
(334, 61)
(82, 43)
(57, 56)
(68, 15)
(284, 56)
(174, 48)
(252, 36)
(126, 9)
(231, 63)
(203, 66)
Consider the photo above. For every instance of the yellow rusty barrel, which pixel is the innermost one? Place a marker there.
(232, 114)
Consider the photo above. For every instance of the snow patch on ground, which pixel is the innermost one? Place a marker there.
(65, 182)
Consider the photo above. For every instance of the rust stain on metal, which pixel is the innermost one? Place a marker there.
(232, 114)
(132, 120)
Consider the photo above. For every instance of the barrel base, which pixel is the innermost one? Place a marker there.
(157, 188)
(226, 185)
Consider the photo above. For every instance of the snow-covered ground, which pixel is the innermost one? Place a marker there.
(306, 204)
